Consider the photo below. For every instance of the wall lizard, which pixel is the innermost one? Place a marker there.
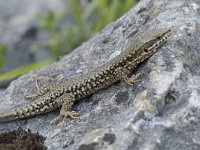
(65, 94)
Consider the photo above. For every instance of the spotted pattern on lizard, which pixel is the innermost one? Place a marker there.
(65, 94)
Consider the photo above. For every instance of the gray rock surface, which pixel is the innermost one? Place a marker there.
(162, 111)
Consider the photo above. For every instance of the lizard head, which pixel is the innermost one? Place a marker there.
(152, 40)
(145, 45)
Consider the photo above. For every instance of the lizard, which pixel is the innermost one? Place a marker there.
(65, 94)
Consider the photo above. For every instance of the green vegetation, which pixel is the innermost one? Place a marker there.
(3, 50)
(86, 21)
(24, 69)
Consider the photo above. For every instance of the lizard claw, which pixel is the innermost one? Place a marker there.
(55, 120)
(134, 79)
(65, 114)
(73, 114)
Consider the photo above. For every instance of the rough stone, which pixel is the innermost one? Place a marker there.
(161, 111)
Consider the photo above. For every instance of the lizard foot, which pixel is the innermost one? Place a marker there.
(133, 79)
(64, 114)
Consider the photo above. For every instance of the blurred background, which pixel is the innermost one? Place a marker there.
(36, 33)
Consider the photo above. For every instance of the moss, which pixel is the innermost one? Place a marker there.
(20, 139)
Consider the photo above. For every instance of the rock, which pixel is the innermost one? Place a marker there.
(159, 112)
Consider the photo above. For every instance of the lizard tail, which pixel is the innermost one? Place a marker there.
(30, 110)
(8, 116)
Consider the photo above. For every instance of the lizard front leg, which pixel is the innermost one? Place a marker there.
(133, 79)
(123, 75)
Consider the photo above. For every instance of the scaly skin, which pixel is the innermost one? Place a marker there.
(64, 95)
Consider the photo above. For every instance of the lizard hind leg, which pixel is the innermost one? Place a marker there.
(43, 90)
(40, 90)
(65, 112)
